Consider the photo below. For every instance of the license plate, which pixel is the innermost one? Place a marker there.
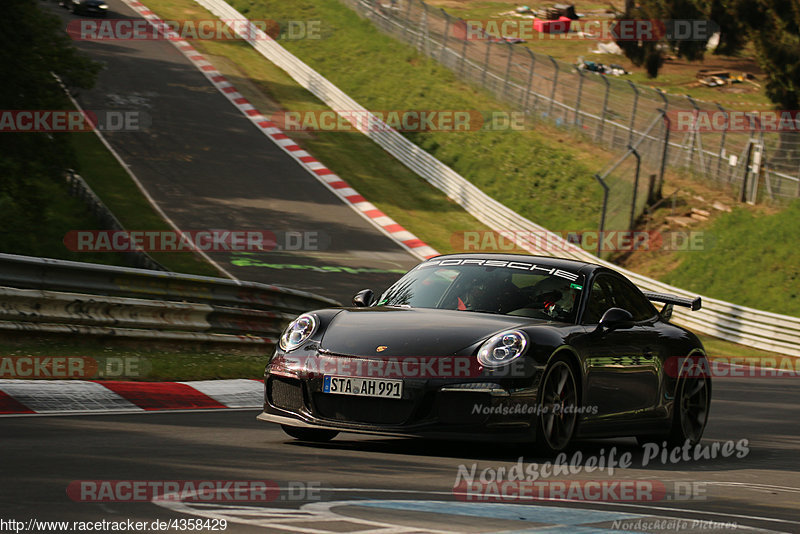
(363, 387)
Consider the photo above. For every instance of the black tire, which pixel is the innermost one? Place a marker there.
(558, 403)
(690, 411)
(309, 434)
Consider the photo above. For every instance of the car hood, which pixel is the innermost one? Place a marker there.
(412, 331)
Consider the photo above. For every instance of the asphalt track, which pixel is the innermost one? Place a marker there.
(396, 482)
(209, 167)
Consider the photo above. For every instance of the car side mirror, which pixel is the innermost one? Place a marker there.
(363, 298)
(615, 318)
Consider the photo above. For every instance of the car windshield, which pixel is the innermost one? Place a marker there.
(510, 288)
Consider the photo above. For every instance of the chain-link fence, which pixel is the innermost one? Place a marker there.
(612, 111)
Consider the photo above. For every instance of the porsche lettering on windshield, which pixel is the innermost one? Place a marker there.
(520, 265)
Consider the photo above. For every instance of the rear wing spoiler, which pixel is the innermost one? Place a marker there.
(671, 300)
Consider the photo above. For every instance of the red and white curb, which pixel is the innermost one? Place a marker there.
(334, 183)
(61, 397)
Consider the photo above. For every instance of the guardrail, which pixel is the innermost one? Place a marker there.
(56, 296)
(79, 188)
(740, 324)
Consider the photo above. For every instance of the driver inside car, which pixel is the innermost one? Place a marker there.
(554, 297)
(496, 294)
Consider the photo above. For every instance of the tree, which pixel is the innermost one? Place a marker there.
(774, 29)
(34, 46)
(650, 54)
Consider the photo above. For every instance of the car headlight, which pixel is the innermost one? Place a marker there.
(502, 348)
(298, 332)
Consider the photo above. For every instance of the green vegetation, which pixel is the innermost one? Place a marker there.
(149, 362)
(755, 261)
(36, 210)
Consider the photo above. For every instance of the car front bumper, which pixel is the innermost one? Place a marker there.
(481, 408)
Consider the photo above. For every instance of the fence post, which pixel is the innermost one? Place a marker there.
(424, 37)
(721, 153)
(664, 98)
(486, 59)
(693, 134)
(530, 79)
(602, 214)
(797, 192)
(668, 126)
(578, 99)
(508, 67)
(408, 20)
(605, 108)
(446, 35)
(633, 111)
(635, 185)
(463, 48)
(555, 84)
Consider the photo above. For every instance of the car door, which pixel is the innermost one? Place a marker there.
(622, 365)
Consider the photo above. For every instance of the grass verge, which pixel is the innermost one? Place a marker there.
(137, 361)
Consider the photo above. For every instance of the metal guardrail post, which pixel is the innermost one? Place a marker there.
(530, 79)
(555, 84)
(633, 111)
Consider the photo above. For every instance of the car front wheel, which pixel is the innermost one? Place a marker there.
(558, 408)
(692, 403)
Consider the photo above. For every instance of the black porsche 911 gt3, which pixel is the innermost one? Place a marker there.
(493, 347)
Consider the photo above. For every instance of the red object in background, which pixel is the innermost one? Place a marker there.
(562, 25)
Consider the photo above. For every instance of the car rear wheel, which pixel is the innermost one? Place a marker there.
(690, 416)
(558, 407)
(309, 434)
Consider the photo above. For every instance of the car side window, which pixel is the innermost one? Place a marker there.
(612, 292)
(599, 301)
